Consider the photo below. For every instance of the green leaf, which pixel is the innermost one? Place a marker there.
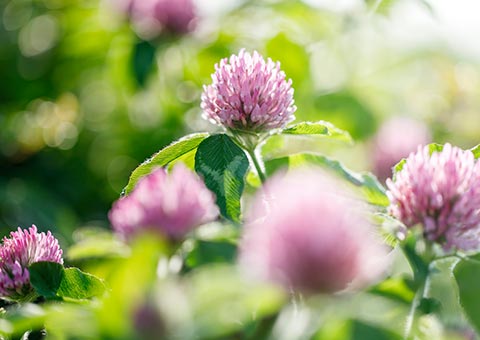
(362, 330)
(97, 249)
(435, 147)
(78, 285)
(467, 275)
(396, 289)
(46, 278)
(165, 156)
(334, 329)
(188, 159)
(373, 191)
(320, 128)
(476, 151)
(223, 166)
(275, 164)
(51, 280)
(398, 167)
(94, 244)
(207, 252)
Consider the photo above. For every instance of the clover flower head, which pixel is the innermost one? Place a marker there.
(153, 17)
(308, 233)
(248, 93)
(396, 139)
(439, 190)
(171, 204)
(18, 252)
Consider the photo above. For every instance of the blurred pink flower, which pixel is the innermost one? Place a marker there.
(152, 17)
(440, 191)
(395, 139)
(148, 322)
(309, 233)
(248, 93)
(17, 253)
(171, 204)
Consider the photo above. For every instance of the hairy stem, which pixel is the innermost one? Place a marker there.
(250, 143)
(256, 162)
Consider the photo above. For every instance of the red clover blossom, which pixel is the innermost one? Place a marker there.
(306, 233)
(248, 94)
(440, 191)
(17, 253)
(171, 204)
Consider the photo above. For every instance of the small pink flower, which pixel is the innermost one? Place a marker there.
(171, 204)
(309, 233)
(440, 191)
(152, 17)
(17, 253)
(248, 93)
(395, 140)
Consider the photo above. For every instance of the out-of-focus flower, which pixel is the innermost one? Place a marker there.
(152, 17)
(395, 140)
(248, 93)
(309, 233)
(17, 253)
(440, 191)
(148, 322)
(171, 204)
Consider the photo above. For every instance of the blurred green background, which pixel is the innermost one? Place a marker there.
(83, 99)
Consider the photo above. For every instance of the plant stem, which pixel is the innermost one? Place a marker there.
(411, 314)
(421, 265)
(419, 295)
(264, 327)
(257, 164)
(249, 143)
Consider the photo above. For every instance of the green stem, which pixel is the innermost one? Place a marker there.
(419, 295)
(424, 279)
(256, 163)
(264, 327)
(421, 266)
(250, 143)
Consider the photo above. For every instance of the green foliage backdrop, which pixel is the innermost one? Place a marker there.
(84, 100)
